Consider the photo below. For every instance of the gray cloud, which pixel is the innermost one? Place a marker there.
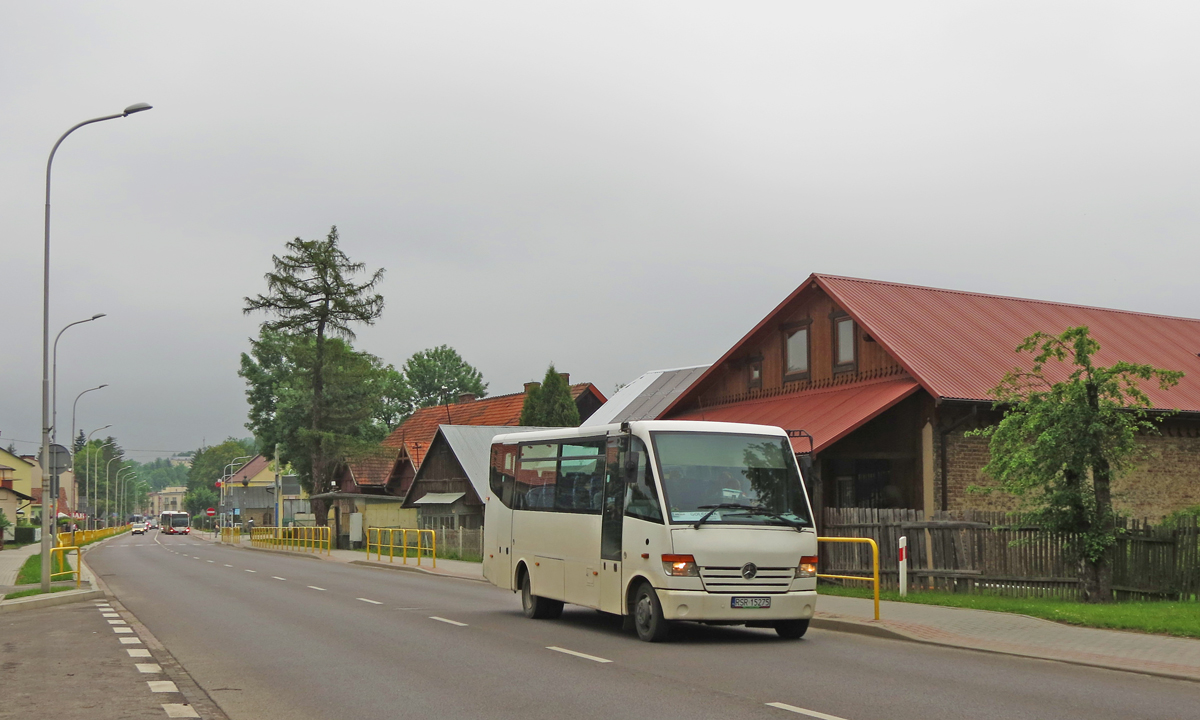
(614, 187)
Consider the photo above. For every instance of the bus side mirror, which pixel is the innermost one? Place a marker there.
(632, 460)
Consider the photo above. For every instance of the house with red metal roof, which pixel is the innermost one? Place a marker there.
(887, 378)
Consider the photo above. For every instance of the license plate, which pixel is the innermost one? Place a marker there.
(750, 602)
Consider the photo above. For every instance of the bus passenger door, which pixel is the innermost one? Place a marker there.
(612, 522)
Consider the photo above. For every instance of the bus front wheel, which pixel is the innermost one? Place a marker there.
(648, 617)
(537, 607)
(791, 629)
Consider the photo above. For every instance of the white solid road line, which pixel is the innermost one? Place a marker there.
(314, 587)
(585, 656)
(449, 622)
(802, 711)
(276, 577)
(373, 602)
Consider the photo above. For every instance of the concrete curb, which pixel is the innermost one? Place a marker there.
(40, 601)
(413, 568)
(859, 627)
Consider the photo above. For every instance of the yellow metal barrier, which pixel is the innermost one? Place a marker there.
(63, 562)
(231, 533)
(378, 534)
(83, 537)
(299, 539)
(874, 564)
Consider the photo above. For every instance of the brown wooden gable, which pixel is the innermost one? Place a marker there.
(441, 472)
(731, 380)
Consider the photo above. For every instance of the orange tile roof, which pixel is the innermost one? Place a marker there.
(374, 468)
(414, 434)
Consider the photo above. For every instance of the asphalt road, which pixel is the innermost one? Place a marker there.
(272, 636)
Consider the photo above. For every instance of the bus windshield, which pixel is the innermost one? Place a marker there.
(180, 520)
(730, 479)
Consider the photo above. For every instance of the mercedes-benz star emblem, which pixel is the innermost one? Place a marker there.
(749, 570)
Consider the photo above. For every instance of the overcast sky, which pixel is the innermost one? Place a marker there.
(615, 187)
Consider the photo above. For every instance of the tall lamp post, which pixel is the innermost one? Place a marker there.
(107, 469)
(46, 522)
(88, 477)
(119, 497)
(96, 465)
(54, 396)
(225, 483)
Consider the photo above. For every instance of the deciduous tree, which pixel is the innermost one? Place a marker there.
(1069, 428)
(439, 375)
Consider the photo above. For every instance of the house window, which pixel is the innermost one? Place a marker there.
(796, 352)
(844, 357)
(754, 373)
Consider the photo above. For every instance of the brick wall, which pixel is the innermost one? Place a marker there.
(1165, 480)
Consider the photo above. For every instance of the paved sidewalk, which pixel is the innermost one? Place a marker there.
(1020, 635)
(11, 560)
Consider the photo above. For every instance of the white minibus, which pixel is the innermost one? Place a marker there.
(658, 521)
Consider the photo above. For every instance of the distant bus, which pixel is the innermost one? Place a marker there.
(174, 522)
(662, 521)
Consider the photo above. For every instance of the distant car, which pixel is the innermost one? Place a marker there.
(139, 528)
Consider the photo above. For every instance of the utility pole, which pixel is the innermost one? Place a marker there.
(278, 491)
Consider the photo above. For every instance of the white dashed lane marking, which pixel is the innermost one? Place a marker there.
(131, 641)
(251, 571)
(276, 577)
(148, 667)
(373, 602)
(451, 622)
(161, 686)
(314, 587)
(802, 711)
(585, 656)
(138, 652)
(228, 565)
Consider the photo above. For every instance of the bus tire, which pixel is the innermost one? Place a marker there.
(791, 629)
(648, 617)
(537, 607)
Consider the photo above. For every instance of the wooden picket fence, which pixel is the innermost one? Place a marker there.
(984, 552)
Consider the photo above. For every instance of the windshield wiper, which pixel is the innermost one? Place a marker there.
(751, 509)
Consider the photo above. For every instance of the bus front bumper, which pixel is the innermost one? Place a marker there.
(702, 606)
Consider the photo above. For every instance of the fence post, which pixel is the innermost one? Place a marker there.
(903, 566)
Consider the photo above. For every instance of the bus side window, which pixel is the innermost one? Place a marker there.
(504, 463)
(641, 499)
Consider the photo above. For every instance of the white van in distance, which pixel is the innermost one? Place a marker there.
(659, 521)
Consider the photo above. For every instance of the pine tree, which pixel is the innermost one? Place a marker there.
(551, 404)
(312, 292)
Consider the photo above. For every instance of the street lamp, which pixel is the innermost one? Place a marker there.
(75, 405)
(92, 471)
(107, 469)
(54, 398)
(225, 481)
(119, 496)
(46, 526)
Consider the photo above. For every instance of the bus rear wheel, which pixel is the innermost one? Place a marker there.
(648, 617)
(791, 629)
(537, 607)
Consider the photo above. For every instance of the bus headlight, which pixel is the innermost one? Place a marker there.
(680, 565)
(807, 567)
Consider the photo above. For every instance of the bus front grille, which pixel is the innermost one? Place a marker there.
(719, 579)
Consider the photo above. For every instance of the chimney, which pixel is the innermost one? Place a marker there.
(466, 397)
(566, 377)
(531, 385)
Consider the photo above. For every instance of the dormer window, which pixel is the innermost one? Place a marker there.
(845, 350)
(796, 351)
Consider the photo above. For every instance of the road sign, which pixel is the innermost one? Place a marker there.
(210, 512)
(60, 459)
(219, 483)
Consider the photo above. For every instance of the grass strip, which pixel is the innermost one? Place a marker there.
(1162, 618)
(31, 571)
